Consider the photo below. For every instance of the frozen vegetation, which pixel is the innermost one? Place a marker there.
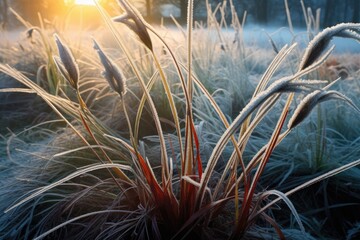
(211, 131)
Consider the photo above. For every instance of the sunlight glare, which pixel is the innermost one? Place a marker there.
(85, 2)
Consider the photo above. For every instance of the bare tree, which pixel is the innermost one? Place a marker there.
(330, 12)
(183, 10)
(356, 8)
(4, 13)
(261, 8)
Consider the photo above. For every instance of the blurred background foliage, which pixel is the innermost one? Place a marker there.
(265, 12)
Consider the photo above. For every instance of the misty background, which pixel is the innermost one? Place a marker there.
(263, 12)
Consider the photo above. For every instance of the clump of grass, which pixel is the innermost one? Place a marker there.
(119, 192)
(46, 72)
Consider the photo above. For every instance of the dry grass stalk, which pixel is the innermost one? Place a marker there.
(112, 73)
(133, 19)
(67, 64)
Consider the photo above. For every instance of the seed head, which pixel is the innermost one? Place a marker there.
(133, 20)
(311, 100)
(112, 73)
(321, 41)
(66, 63)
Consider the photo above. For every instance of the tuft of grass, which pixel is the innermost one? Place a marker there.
(112, 182)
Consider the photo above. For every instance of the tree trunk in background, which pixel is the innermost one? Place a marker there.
(356, 8)
(183, 10)
(4, 14)
(347, 11)
(330, 12)
(261, 11)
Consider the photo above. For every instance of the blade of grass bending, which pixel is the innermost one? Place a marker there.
(142, 102)
(307, 65)
(18, 90)
(176, 63)
(311, 182)
(257, 158)
(221, 116)
(232, 138)
(148, 172)
(274, 65)
(321, 41)
(141, 27)
(308, 69)
(74, 150)
(50, 70)
(67, 178)
(49, 99)
(85, 113)
(288, 203)
(70, 71)
(259, 116)
(238, 121)
(137, 25)
(280, 57)
(132, 139)
(170, 101)
(232, 187)
(331, 92)
(117, 171)
(187, 99)
(264, 81)
(78, 218)
(144, 165)
(274, 224)
(270, 148)
(245, 208)
(164, 157)
(316, 63)
(164, 199)
(181, 78)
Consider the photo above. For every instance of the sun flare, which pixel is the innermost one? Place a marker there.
(85, 2)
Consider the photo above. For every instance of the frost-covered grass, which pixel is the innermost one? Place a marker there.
(145, 150)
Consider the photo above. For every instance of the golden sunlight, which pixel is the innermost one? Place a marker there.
(85, 2)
